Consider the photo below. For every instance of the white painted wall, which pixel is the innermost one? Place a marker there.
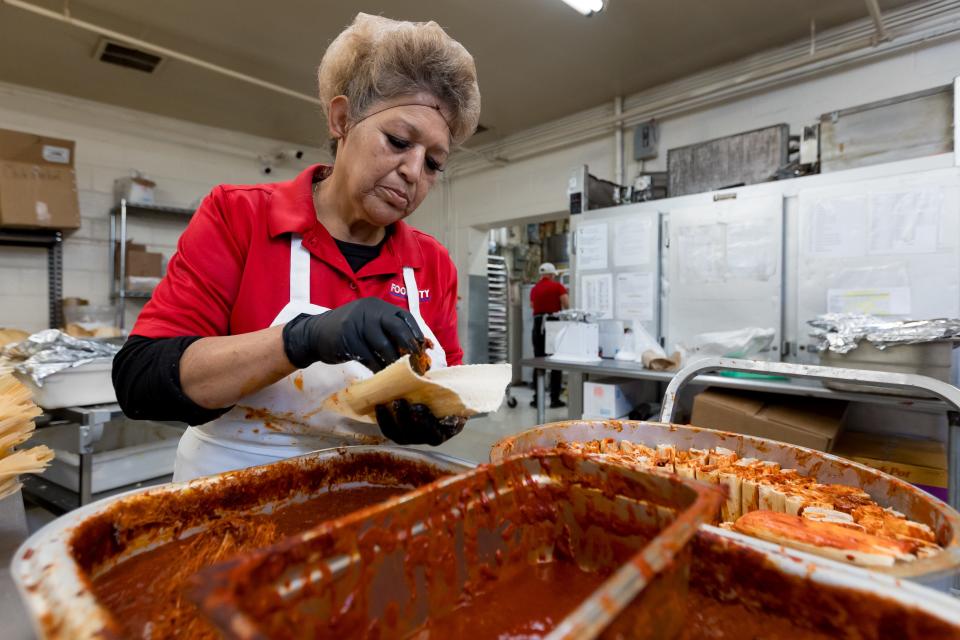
(186, 160)
(803, 103)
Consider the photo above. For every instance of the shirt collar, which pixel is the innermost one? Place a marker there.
(291, 206)
(292, 211)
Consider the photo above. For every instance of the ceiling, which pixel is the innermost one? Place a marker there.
(537, 59)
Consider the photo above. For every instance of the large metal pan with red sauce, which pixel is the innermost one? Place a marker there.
(887, 490)
(744, 588)
(116, 568)
(555, 546)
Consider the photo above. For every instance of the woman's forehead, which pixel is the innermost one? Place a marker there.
(420, 121)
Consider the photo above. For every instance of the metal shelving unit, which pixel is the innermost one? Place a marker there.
(52, 241)
(497, 308)
(118, 233)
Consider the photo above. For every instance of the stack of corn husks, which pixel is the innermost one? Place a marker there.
(17, 412)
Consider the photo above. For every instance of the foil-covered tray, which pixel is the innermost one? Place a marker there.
(758, 584)
(50, 351)
(406, 566)
(887, 490)
(842, 332)
(54, 569)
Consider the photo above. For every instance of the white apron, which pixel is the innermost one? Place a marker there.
(285, 419)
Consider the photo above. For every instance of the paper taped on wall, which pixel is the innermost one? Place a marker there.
(635, 296)
(750, 252)
(883, 301)
(701, 253)
(632, 242)
(727, 252)
(597, 294)
(592, 246)
(839, 227)
(905, 222)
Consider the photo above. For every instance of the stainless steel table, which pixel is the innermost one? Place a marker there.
(578, 371)
(89, 421)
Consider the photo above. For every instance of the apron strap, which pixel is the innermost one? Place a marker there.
(437, 355)
(413, 293)
(299, 270)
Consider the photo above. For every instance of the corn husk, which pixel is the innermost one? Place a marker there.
(17, 412)
(451, 391)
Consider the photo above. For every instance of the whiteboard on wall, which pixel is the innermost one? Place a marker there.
(724, 268)
(889, 247)
(616, 265)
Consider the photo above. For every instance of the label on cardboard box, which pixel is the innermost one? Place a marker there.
(43, 213)
(59, 155)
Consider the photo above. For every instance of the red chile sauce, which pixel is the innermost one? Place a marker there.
(733, 593)
(529, 604)
(143, 592)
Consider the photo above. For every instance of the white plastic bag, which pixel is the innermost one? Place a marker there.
(745, 343)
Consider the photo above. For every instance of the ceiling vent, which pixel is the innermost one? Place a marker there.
(126, 56)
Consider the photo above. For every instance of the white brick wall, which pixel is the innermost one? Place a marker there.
(186, 160)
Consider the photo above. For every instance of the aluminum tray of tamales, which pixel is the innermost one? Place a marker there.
(554, 546)
(791, 495)
(116, 568)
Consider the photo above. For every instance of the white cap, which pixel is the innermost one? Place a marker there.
(548, 267)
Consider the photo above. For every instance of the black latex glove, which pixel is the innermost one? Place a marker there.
(406, 423)
(369, 330)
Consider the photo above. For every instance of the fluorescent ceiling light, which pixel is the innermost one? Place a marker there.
(586, 7)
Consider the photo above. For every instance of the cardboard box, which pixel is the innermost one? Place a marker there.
(38, 184)
(140, 262)
(919, 462)
(807, 422)
(135, 189)
(606, 399)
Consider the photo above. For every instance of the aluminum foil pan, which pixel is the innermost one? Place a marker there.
(387, 570)
(48, 352)
(887, 490)
(838, 601)
(47, 568)
(842, 332)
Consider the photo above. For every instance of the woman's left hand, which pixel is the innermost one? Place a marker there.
(406, 423)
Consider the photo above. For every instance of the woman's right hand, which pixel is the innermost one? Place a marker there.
(369, 330)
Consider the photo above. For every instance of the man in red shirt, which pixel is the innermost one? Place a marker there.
(547, 296)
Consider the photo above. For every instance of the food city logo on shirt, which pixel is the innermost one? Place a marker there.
(400, 291)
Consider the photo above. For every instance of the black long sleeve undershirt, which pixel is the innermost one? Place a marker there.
(146, 377)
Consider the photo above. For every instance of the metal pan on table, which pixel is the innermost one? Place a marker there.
(887, 490)
(403, 567)
(54, 568)
(745, 581)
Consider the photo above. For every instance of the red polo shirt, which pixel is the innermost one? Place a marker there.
(545, 296)
(231, 271)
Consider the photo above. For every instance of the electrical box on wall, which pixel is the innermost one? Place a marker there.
(646, 138)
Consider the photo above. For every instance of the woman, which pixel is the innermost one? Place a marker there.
(281, 294)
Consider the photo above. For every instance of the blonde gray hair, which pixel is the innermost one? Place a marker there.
(377, 59)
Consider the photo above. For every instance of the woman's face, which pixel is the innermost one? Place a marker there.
(392, 158)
